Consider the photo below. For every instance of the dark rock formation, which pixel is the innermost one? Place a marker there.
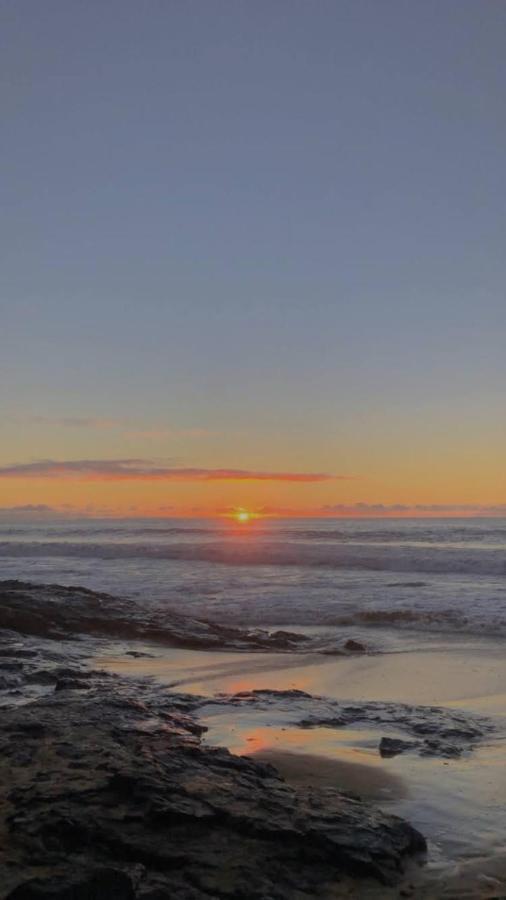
(389, 747)
(97, 884)
(108, 793)
(355, 646)
(57, 612)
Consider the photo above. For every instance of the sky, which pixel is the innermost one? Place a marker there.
(252, 255)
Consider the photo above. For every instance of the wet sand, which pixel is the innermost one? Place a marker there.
(472, 676)
(370, 782)
(473, 878)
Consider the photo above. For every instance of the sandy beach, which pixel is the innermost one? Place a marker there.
(402, 752)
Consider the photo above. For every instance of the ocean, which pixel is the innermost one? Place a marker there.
(426, 597)
(375, 577)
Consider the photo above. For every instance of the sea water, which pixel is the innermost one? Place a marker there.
(438, 576)
(400, 585)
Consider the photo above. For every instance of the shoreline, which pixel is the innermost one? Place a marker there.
(270, 709)
(464, 672)
(107, 788)
(452, 801)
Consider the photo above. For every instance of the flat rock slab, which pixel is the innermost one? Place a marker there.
(438, 731)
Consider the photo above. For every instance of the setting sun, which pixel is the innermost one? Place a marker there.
(243, 516)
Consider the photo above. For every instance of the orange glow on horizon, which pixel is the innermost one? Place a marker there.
(258, 501)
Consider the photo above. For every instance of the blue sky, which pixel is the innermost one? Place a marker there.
(277, 223)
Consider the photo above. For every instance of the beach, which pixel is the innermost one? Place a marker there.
(457, 803)
(376, 693)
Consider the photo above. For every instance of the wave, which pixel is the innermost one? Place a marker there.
(96, 531)
(430, 560)
(407, 617)
(443, 621)
(408, 533)
(439, 534)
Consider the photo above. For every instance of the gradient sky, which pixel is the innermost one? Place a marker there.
(265, 237)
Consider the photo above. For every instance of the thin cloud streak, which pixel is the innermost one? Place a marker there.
(28, 508)
(415, 509)
(155, 434)
(70, 421)
(144, 470)
(132, 428)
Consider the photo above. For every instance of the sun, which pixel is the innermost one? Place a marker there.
(242, 515)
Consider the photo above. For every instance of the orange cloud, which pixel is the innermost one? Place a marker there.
(145, 470)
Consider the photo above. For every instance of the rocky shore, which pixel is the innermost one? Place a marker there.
(108, 792)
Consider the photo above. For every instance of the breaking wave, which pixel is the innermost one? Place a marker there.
(396, 575)
(401, 559)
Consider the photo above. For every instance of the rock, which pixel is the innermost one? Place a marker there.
(106, 790)
(437, 731)
(389, 747)
(286, 639)
(355, 646)
(115, 780)
(19, 652)
(100, 884)
(11, 666)
(71, 684)
(434, 747)
(57, 612)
